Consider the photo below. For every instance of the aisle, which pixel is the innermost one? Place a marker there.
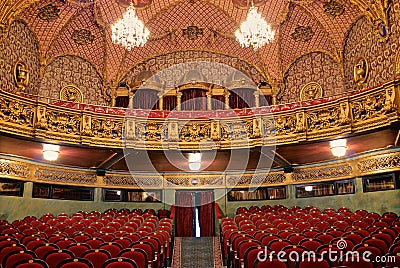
(194, 252)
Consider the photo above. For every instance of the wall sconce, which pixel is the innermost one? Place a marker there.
(338, 147)
(308, 188)
(194, 161)
(50, 152)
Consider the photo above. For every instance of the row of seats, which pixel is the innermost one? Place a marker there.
(140, 238)
(279, 229)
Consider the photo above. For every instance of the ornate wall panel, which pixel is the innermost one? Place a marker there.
(313, 67)
(20, 45)
(72, 70)
(218, 75)
(363, 42)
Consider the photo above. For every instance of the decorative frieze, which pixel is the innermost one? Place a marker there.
(255, 179)
(378, 163)
(322, 173)
(133, 181)
(9, 168)
(65, 176)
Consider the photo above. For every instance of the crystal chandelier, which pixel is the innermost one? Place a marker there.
(254, 31)
(129, 31)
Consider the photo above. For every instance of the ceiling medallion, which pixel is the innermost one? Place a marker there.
(129, 31)
(138, 4)
(49, 12)
(302, 33)
(71, 93)
(244, 4)
(192, 32)
(83, 36)
(333, 8)
(254, 31)
(311, 91)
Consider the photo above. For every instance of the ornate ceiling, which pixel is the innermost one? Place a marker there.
(82, 28)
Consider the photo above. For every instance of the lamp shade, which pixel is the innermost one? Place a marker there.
(50, 152)
(338, 147)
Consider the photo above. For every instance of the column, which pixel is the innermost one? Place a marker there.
(131, 94)
(257, 98)
(28, 189)
(178, 100)
(275, 91)
(209, 106)
(227, 99)
(160, 101)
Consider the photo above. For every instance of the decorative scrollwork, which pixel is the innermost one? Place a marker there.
(145, 182)
(193, 132)
(382, 162)
(49, 12)
(65, 176)
(333, 8)
(16, 112)
(320, 173)
(83, 36)
(13, 169)
(302, 33)
(256, 179)
(107, 128)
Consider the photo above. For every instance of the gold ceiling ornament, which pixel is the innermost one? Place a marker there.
(333, 8)
(129, 31)
(83, 36)
(254, 31)
(311, 91)
(71, 93)
(21, 76)
(138, 4)
(192, 32)
(361, 70)
(49, 12)
(378, 14)
(244, 4)
(302, 33)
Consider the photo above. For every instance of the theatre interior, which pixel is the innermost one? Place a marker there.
(199, 133)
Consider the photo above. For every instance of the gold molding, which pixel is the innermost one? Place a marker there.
(354, 114)
(377, 162)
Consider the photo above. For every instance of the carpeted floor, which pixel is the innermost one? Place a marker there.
(194, 252)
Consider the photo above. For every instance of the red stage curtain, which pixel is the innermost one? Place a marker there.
(169, 103)
(206, 214)
(145, 99)
(184, 213)
(241, 98)
(194, 99)
(218, 102)
(122, 101)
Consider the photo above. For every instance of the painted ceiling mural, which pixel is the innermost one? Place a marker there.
(83, 28)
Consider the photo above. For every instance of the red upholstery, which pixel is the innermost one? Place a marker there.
(15, 256)
(5, 250)
(41, 250)
(112, 248)
(75, 263)
(136, 254)
(94, 242)
(270, 263)
(97, 257)
(56, 256)
(78, 249)
(31, 263)
(120, 262)
(313, 262)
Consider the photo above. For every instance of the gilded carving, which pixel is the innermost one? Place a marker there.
(65, 176)
(71, 93)
(87, 125)
(21, 76)
(344, 114)
(63, 122)
(13, 169)
(16, 112)
(361, 70)
(311, 91)
(333, 8)
(49, 12)
(256, 179)
(83, 36)
(192, 32)
(41, 120)
(194, 131)
(215, 131)
(300, 122)
(178, 182)
(321, 173)
(378, 163)
(145, 182)
(302, 33)
(107, 128)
